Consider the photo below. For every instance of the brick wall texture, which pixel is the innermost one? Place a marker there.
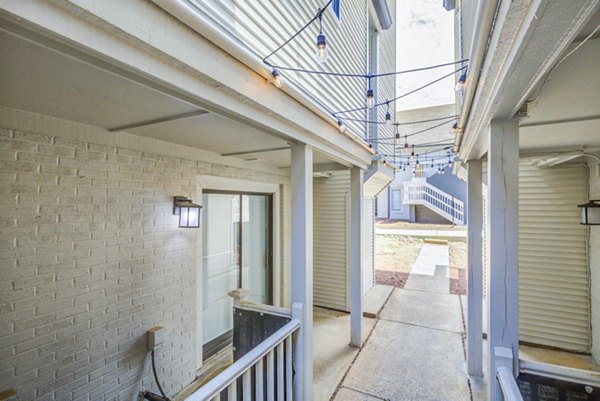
(91, 257)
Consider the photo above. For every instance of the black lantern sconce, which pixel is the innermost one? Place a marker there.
(590, 213)
(188, 212)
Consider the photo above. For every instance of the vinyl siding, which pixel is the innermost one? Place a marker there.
(330, 272)
(263, 26)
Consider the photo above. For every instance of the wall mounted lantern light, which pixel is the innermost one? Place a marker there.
(590, 212)
(188, 212)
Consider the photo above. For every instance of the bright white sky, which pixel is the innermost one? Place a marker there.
(425, 36)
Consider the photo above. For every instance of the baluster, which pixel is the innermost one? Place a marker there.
(260, 381)
(232, 391)
(270, 377)
(288, 369)
(247, 385)
(280, 378)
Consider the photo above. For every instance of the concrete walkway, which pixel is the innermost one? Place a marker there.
(415, 351)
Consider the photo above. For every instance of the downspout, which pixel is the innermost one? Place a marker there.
(191, 17)
(486, 10)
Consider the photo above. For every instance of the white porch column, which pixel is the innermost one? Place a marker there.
(356, 283)
(302, 266)
(475, 270)
(503, 278)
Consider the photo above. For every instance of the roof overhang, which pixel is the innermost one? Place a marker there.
(377, 178)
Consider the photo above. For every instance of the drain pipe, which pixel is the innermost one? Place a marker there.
(191, 17)
(486, 10)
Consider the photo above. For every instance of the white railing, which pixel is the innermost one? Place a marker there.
(508, 385)
(423, 193)
(266, 371)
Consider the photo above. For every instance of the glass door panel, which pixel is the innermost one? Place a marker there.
(256, 250)
(220, 261)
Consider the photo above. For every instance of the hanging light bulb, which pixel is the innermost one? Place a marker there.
(405, 141)
(432, 164)
(388, 116)
(397, 135)
(417, 162)
(277, 79)
(462, 82)
(370, 98)
(412, 153)
(449, 162)
(322, 54)
(443, 170)
(341, 126)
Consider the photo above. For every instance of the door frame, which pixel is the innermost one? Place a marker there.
(215, 184)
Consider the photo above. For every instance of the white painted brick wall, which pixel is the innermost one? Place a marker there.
(595, 268)
(91, 257)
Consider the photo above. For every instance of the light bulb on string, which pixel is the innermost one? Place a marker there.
(370, 98)
(388, 116)
(341, 126)
(461, 83)
(277, 79)
(412, 153)
(322, 54)
(405, 141)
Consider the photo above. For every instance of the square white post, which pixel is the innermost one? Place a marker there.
(356, 282)
(503, 278)
(302, 267)
(475, 270)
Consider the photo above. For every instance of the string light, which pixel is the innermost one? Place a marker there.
(341, 126)
(405, 141)
(388, 117)
(370, 98)
(322, 54)
(277, 80)
(462, 82)
(412, 153)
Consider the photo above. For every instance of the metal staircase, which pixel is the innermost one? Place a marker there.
(423, 193)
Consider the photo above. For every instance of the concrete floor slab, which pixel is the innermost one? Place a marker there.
(331, 349)
(347, 394)
(428, 309)
(405, 362)
(439, 282)
(375, 298)
(430, 256)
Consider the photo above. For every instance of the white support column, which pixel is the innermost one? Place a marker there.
(475, 270)
(302, 267)
(503, 278)
(356, 282)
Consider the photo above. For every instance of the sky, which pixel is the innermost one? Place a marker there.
(425, 36)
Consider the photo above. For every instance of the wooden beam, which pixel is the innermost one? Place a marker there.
(356, 244)
(475, 269)
(503, 234)
(302, 266)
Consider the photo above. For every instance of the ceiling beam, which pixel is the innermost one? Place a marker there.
(158, 121)
(248, 152)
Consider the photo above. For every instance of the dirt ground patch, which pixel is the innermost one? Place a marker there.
(404, 225)
(396, 253)
(458, 267)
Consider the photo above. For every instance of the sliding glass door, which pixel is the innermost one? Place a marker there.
(237, 238)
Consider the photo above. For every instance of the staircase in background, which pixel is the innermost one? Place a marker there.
(423, 193)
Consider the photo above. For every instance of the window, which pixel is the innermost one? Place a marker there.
(396, 199)
(236, 247)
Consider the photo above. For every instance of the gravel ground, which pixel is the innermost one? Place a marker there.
(458, 267)
(386, 277)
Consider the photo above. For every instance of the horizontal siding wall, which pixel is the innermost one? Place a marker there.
(554, 281)
(387, 85)
(91, 258)
(330, 270)
(263, 26)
